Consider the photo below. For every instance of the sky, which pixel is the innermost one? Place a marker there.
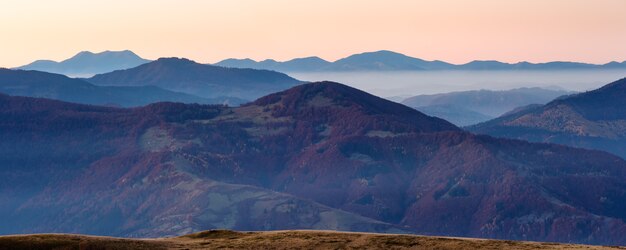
(456, 31)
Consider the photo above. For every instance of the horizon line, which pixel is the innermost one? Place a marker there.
(312, 56)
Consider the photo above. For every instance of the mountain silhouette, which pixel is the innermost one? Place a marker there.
(54, 86)
(385, 60)
(294, 65)
(208, 81)
(88, 63)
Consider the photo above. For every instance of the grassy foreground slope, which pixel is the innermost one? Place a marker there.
(226, 239)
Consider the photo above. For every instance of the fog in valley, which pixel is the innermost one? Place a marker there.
(409, 83)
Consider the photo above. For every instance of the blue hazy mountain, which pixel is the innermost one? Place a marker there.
(88, 63)
(495, 65)
(55, 86)
(208, 81)
(470, 107)
(594, 119)
(385, 60)
(379, 60)
(294, 65)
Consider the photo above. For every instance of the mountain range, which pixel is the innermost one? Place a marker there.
(294, 65)
(87, 63)
(471, 107)
(318, 155)
(207, 81)
(594, 119)
(55, 86)
(385, 60)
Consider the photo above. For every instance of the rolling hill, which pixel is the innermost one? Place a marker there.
(87, 63)
(315, 156)
(206, 81)
(54, 86)
(594, 120)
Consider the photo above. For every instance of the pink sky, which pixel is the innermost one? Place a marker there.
(456, 31)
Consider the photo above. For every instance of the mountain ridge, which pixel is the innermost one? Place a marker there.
(187, 76)
(56, 86)
(386, 60)
(86, 64)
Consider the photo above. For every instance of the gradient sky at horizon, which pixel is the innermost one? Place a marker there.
(456, 31)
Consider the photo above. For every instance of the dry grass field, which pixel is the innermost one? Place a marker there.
(225, 239)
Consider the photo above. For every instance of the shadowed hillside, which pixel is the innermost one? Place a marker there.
(316, 156)
(594, 120)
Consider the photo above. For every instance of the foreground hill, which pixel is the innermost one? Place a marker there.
(224, 239)
(41, 84)
(471, 107)
(316, 156)
(88, 63)
(207, 81)
(594, 119)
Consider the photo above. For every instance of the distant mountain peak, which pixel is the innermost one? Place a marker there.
(269, 61)
(86, 52)
(380, 53)
(309, 58)
(90, 54)
(386, 60)
(174, 60)
(87, 63)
